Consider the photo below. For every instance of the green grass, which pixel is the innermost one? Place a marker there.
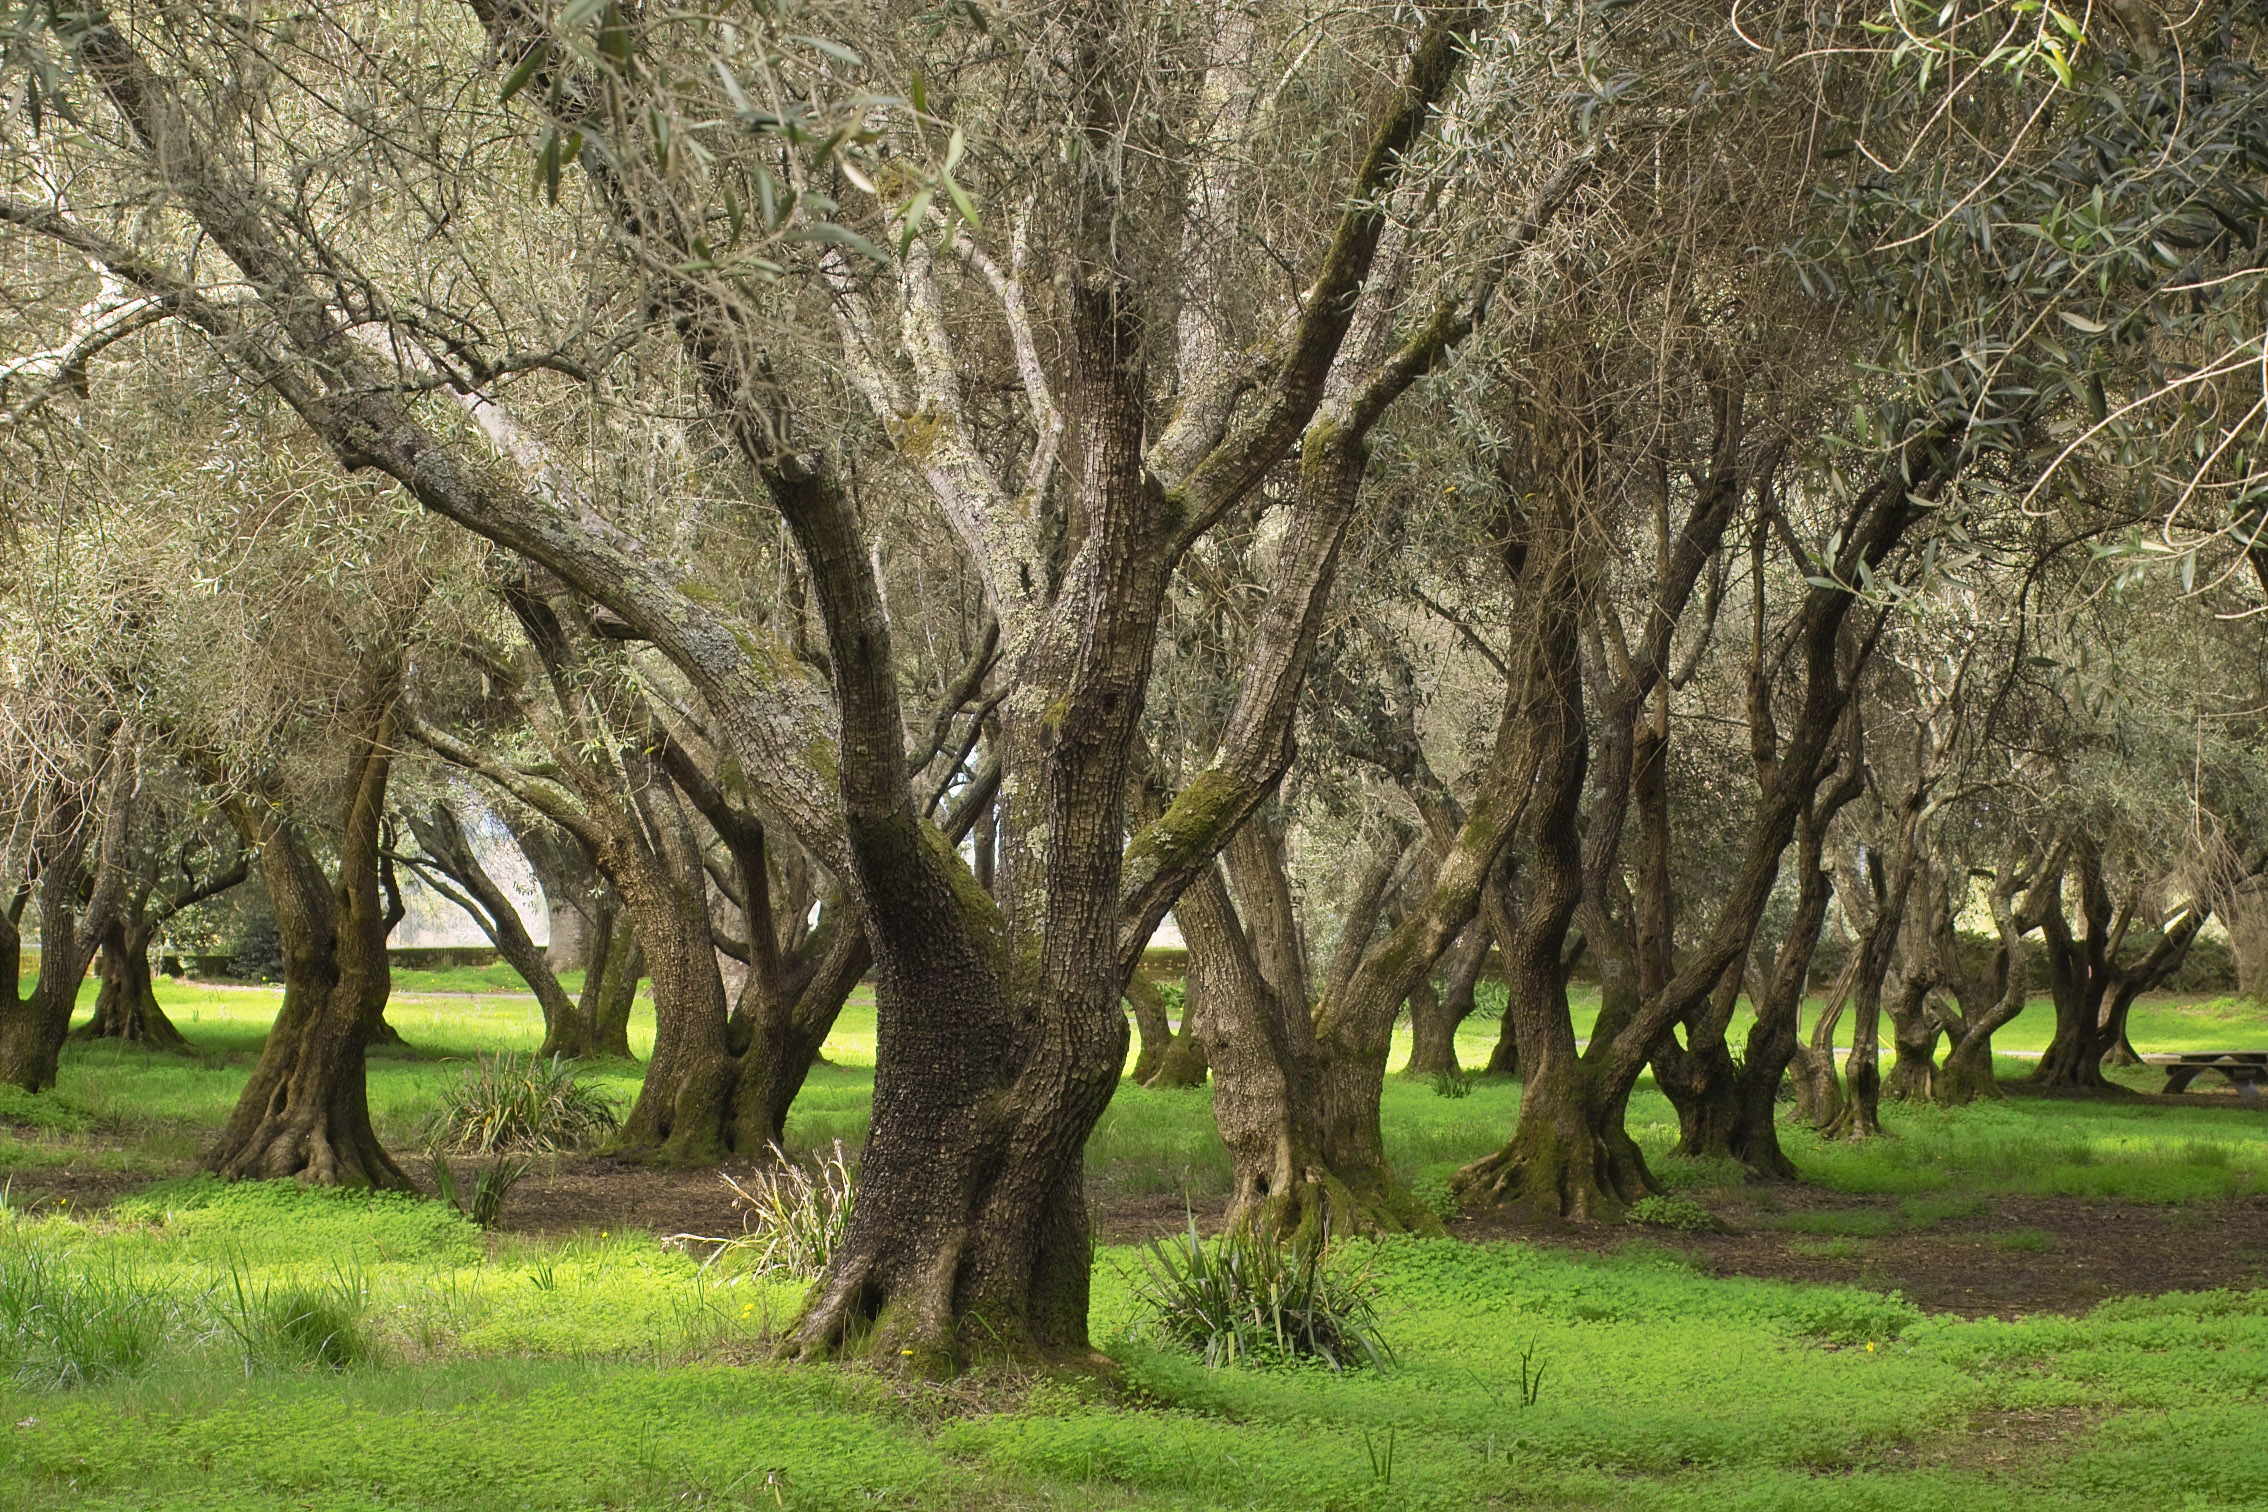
(628, 1382)
(205, 1346)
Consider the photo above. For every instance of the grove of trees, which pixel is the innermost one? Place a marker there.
(1731, 504)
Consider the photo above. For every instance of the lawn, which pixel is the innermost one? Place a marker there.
(152, 1354)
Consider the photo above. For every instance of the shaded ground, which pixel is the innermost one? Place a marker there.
(1971, 1255)
(2003, 1257)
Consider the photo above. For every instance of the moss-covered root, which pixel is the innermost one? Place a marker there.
(1560, 1173)
(1322, 1203)
(683, 1116)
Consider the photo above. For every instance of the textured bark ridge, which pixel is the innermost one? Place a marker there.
(305, 1112)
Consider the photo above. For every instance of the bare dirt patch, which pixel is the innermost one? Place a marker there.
(570, 1193)
(45, 1189)
(2014, 1256)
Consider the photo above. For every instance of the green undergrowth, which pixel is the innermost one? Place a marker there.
(264, 1346)
(275, 1348)
(2035, 1147)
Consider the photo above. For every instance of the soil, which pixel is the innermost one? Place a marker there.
(2017, 1255)
(2005, 1257)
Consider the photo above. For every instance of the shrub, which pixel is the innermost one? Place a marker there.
(257, 954)
(64, 1325)
(1247, 1295)
(1672, 1212)
(520, 1104)
(792, 1218)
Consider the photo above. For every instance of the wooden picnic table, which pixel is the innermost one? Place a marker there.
(2245, 1069)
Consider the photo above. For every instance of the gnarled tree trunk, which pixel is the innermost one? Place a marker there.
(127, 1008)
(305, 1112)
(1436, 1017)
(2091, 988)
(453, 868)
(1772, 1038)
(610, 987)
(1297, 1109)
(1153, 1025)
(1569, 1155)
(1914, 1033)
(32, 1030)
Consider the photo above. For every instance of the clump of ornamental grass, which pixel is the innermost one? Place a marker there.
(484, 1204)
(792, 1217)
(66, 1323)
(297, 1323)
(1250, 1295)
(520, 1105)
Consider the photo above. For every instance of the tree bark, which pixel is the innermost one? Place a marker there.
(610, 990)
(1153, 1024)
(2079, 974)
(305, 1112)
(1435, 1018)
(69, 827)
(1569, 1155)
(2091, 988)
(1914, 1033)
(1298, 1110)
(127, 1008)
(1546, 1162)
(1891, 886)
(1772, 1040)
(573, 895)
(1967, 1074)
(1700, 1077)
